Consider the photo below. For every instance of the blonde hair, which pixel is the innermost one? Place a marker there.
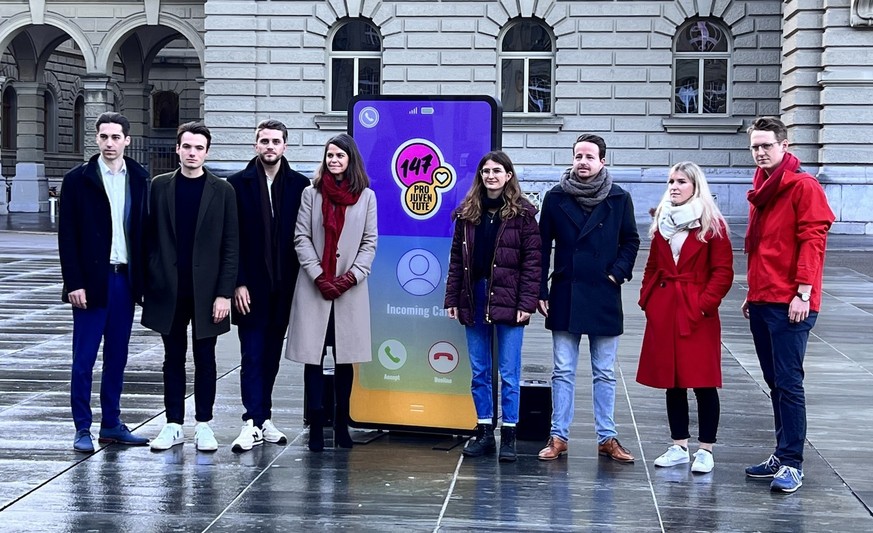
(712, 222)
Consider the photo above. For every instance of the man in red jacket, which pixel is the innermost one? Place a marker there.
(789, 219)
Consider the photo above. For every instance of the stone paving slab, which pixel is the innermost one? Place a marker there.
(401, 482)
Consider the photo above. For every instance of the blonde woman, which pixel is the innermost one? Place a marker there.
(688, 273)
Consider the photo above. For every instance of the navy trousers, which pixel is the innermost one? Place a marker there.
(261, 350)
(781, 346)
(111, 324)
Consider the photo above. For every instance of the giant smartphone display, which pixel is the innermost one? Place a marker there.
(421, 155)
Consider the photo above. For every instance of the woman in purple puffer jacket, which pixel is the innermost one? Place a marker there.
(493, 286)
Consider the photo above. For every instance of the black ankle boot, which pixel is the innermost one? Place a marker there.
(343, 391)
(484, 443)
(341, 437)
(316, 430)
(507, 445)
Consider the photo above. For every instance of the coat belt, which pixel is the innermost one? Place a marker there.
(686, 316)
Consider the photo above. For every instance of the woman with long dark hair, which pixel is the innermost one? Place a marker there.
(492, 287)
(335, 239)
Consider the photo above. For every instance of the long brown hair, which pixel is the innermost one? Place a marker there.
(471, 206)
(355, 173)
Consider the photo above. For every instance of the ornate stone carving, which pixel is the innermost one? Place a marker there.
(862, 14)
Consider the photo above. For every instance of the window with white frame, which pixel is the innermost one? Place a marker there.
(527, 66)
(355, 62)
(701, 67)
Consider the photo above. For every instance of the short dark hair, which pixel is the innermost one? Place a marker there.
(595, 139)
(197, 128)
(770, 124)
(111, 117)
(272, 124)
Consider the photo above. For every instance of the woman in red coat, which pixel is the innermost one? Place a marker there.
(688, 273)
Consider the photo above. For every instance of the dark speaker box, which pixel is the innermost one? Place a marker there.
(535, 410)
(327, 401)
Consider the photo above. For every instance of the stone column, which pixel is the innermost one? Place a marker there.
(3, 207)
(846, 81)
(801, 64)
(98, 100)
(201, 83)
(30, 185)
(137, 107)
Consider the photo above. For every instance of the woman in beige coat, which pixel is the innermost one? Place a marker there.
(335, 239)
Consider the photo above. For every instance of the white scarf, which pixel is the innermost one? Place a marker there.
(676, 218)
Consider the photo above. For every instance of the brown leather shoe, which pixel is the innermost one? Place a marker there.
(615, 451)
(554, 449)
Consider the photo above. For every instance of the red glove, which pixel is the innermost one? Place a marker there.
(345, 282)
(328, 290)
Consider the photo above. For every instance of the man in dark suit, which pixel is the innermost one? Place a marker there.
(591, 222)
(101, 250)
(268, 198)
(193, 250)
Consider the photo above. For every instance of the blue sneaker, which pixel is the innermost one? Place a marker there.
(767, 469)
(121, 435)
(82, 442)
(787, 479)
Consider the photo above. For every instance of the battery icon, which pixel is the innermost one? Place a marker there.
(427, 111)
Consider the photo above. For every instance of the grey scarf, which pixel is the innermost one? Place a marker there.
(589, 194)
(674, 218)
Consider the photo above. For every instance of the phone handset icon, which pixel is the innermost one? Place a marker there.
(443, 357)
(392, 354)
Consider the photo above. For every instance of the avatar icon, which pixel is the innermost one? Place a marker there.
(419, 272)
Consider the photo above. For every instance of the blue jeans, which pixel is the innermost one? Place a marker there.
(566, 353)
(479, 340)
(781, 346)
(111, 324)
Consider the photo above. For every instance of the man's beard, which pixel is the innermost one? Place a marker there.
(264, 162)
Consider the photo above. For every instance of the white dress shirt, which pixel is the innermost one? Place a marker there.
(116, 191)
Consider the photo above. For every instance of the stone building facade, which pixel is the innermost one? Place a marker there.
(662, 80)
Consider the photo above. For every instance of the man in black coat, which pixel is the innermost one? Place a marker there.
(591, 222)
(193, 251)
(104, 205)
(268, 198)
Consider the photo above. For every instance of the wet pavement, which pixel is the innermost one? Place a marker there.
(405, 482)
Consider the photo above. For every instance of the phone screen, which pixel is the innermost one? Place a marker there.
(421, 155)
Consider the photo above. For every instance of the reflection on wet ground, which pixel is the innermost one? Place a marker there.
(405, 482)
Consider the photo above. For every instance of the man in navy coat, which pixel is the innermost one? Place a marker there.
(268, 197)
(103, 209)
(591, 222)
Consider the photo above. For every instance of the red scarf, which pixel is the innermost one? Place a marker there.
(335, 198)
(764, 189)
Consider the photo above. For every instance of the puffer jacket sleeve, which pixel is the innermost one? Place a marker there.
(456, 267)
(531, 263)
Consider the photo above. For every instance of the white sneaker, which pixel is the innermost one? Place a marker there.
(703, 462)
(674, 455)
(249, 436)
(204, 438)
(271, 434)
(170, 436)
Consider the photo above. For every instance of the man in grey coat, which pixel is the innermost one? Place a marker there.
(591, 222)
(193, 252)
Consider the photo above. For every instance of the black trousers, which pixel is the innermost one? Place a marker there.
(708, 410)
(175, 356)
(313, 380)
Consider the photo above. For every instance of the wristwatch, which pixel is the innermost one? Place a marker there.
(804, 296)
